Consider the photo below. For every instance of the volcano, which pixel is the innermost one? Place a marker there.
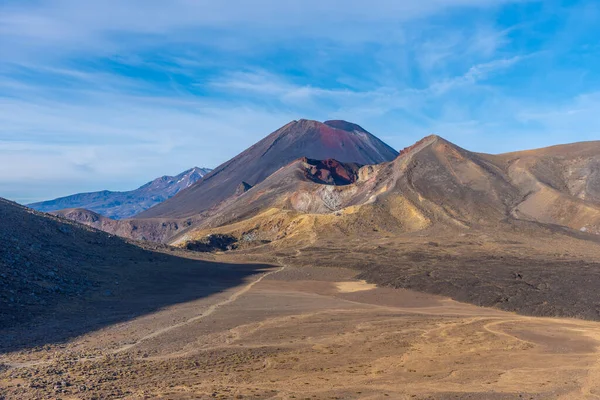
(340, 140)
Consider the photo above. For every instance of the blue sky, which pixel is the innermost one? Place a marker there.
(110, 94)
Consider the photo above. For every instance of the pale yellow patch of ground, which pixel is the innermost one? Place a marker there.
(354, 286)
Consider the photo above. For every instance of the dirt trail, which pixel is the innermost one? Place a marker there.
(591, 384)
(236, 295)
(209, 311)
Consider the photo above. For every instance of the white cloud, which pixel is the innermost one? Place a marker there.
(67, 119)
(577, 117)
(119, 143)
(62, 26)
(475, 74)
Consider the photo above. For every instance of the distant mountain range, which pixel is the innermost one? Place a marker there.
(121, 205)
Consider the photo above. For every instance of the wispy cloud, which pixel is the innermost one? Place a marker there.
(575, 117)
(475, 74)
(109, 94)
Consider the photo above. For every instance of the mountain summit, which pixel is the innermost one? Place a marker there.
(340, 140)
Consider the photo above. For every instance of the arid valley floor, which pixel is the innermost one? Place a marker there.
(314, 333)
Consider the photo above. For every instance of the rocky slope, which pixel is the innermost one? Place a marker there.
(44, 258)
(60, 280)
(559, 185)
(151, 230)
(120, 205)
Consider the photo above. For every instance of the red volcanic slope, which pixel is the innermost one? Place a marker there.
(340, 140)
(331, 172)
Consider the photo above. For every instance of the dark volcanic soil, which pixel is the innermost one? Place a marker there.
(331, 172)
(530, 286)
(533, 271)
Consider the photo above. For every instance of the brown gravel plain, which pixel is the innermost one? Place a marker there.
(290, 332)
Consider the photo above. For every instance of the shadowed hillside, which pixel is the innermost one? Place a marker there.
(59, 279)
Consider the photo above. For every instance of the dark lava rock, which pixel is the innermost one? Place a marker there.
(215, 242)
(242, 188)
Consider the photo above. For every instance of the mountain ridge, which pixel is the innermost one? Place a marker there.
(431, 183)
(125, 204)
